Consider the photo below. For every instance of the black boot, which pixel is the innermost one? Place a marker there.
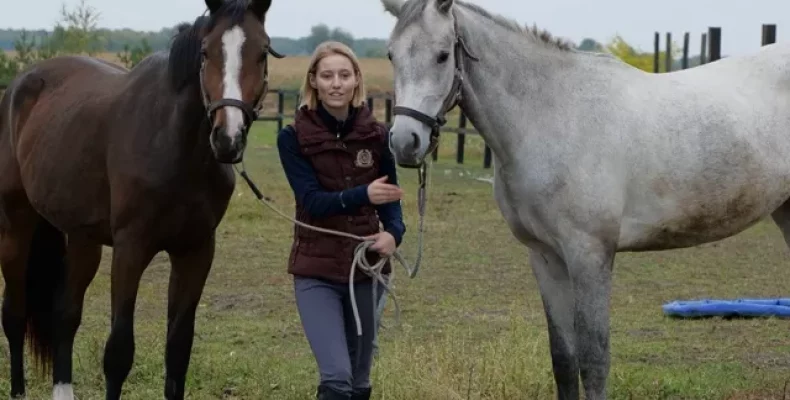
(361, 394)
(327, 393)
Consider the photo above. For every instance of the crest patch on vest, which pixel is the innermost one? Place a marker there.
(364, 159)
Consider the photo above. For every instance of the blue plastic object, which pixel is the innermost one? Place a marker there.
(729, 308)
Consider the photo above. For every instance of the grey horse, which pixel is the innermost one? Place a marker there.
(592, 156)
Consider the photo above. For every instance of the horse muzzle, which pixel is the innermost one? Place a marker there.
(228, 149)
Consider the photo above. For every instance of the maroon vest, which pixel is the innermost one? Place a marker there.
(340, 163)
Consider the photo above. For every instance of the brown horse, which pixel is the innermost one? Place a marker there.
(139, 160)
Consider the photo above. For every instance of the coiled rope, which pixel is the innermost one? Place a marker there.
(360, 261)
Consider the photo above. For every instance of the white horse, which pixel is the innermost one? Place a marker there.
(592, 156)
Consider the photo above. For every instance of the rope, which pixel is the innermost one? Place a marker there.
(360, 261)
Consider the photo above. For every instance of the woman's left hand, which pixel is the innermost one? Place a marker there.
(384, 243)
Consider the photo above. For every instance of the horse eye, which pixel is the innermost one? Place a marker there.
(443, 57)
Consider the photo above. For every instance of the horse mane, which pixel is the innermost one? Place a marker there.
(413, 9)
(184, 61)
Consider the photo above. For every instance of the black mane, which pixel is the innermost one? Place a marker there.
(184, 62)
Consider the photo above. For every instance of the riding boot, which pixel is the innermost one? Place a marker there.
(361, 394)
(327, 393)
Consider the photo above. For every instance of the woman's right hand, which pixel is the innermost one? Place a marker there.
(380, 192)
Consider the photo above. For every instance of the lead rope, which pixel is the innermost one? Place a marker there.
(359, 260)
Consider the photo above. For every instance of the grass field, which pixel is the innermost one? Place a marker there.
(472, 321)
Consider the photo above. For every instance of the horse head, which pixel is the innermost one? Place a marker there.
(426, 51)
(229, 48)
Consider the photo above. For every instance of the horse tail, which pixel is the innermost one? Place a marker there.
(46, 272)
(18, 100)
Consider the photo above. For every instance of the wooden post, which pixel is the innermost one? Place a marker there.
(388, 111)
(668, 57)
(714, 34)
(656, 51)
(685, 51)
(703, 53)
(459, 154)
(769, 34)
(487, 157)
(280, 109)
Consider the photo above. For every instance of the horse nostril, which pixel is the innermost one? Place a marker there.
(416, 140)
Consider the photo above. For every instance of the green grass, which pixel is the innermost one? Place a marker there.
(472, 320)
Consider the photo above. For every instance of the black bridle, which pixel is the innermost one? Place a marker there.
(452, 100)
(251, 112)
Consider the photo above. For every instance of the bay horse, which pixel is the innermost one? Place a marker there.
(592, 156)
(140, 160)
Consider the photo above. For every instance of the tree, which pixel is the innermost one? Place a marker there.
(318, 34)
(590, 45)
(343, 36)
(76, 32)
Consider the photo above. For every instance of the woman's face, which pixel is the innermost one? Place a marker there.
(335, 81)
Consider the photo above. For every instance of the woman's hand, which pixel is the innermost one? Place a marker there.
(384, 243)
(380, 192)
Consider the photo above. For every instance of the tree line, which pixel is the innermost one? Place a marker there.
(77, 32)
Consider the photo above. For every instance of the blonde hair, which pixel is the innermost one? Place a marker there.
(309, 95)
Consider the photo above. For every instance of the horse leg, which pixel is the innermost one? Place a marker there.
(129, 260)
(557, 295)
(189, 269)
(590, 263)
(83, 259)
(15, 240)
(781, 217)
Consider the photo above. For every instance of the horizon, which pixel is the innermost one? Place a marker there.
(571, 19)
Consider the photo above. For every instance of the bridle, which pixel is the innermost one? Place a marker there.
(251, 112)
(452, 100)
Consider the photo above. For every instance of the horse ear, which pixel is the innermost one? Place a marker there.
(393, 6)
(213, 5)
(260, 7)
(444, 5)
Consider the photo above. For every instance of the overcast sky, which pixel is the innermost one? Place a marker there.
(636, 20)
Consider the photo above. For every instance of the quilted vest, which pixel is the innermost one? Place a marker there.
(340, 163)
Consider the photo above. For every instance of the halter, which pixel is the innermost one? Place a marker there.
(452, 100)
(251, 112)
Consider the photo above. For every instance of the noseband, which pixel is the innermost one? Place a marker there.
(452, 100)
(251, 112)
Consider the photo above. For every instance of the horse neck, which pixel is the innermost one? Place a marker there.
(192, 129)
(514, 80)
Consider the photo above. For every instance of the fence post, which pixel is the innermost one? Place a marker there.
(656, 51)
(459, 154)
(685, 64)
(280, 109)
(668, 57)
(388, 111)
(487, 157)
(703, 53)
(769, 34)
(714, 34)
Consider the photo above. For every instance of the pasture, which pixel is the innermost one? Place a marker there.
(472, 323)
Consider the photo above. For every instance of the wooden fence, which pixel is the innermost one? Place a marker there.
(710, 46)
(460, 129)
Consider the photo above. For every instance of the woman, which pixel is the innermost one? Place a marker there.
(336, 159)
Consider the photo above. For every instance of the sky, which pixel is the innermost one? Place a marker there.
(635, 20)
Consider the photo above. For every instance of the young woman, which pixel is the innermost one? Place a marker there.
(337, 161)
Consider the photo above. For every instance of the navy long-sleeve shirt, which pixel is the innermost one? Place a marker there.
(318, 201)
